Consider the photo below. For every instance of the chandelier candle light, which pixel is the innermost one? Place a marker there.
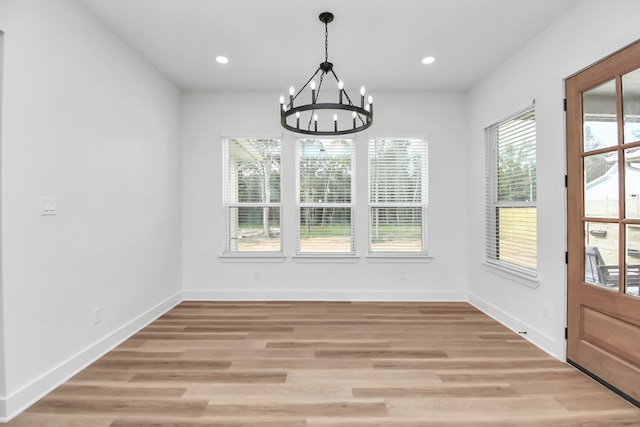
(361, 116)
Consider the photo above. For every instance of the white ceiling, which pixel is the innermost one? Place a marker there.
(273, 44)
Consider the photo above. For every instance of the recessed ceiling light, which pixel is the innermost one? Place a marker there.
(428, 60)
(222, 59)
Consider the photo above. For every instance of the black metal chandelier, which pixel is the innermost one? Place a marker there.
(347, 118)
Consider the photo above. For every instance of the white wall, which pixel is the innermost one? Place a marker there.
(85, 120)
(592, 30)
(2, 365)
(438, 116)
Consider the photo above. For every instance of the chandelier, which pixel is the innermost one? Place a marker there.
(346, 116)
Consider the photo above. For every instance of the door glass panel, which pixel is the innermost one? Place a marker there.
(632, 182)
(601, 185)
(601, 254)
(600, 129)
(632, 281)
(631, 106)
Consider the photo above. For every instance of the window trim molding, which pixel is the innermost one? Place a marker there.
(501, 268)
(410, 256)
(522, 274)
(326, 258)
(399, 258)
(257, 257)
(228, 206)
(308, 256)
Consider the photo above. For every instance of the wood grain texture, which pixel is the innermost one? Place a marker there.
(603, 324)
(320, 364)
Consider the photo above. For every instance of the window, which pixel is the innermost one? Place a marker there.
(397, 195)
(252, 195)
(511, 193)
(325, 187)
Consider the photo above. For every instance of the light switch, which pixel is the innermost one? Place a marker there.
(48, 206)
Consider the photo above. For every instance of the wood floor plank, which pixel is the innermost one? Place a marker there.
(462, 391)
(211, 377)
(511, 375)
(380, 354)
(32, 419)
(361, 376)
(558, 387)
(129, 354)
(306, 363)
(328, 344)
(320, 364)
(116, 405)
(191, 336)
(209, 422)
(93, 374)
(467, 363)
(158, 364)
(256, 354)
(323, 409)
(400, 407)
(266, 392)
(106, 390)
(244, 344)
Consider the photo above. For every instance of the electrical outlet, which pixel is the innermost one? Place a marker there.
(403, 275)
(256, 275)
(545, 311)
(48, 206)
(97, 315)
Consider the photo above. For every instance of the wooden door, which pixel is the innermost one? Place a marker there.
(603, 220)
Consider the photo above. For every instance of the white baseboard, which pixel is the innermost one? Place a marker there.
(299, 295)
(536, 337)
(20, 400)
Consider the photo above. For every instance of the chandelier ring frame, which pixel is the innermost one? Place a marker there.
(327, 106)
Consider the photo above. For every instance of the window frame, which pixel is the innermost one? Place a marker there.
(228, 205)
(493, 204)
(423, 204)
(299, 253)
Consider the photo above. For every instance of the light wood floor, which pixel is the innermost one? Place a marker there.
(328, 364)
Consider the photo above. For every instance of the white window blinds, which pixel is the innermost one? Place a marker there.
(325, 187)
(397, 195)
(512, 193)
(252, 195)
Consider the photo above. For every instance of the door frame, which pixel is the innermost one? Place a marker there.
(616, 64)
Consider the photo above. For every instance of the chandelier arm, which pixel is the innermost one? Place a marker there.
(318, 94)
(321, 80)
(310, 119)
(344, 91)
(305, 85)
(347, 95)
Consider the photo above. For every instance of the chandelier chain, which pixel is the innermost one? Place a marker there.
(326, 42)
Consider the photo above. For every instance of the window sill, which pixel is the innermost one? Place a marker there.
(326, 258)
(252, 257)
(518, 277)
(400, 258)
